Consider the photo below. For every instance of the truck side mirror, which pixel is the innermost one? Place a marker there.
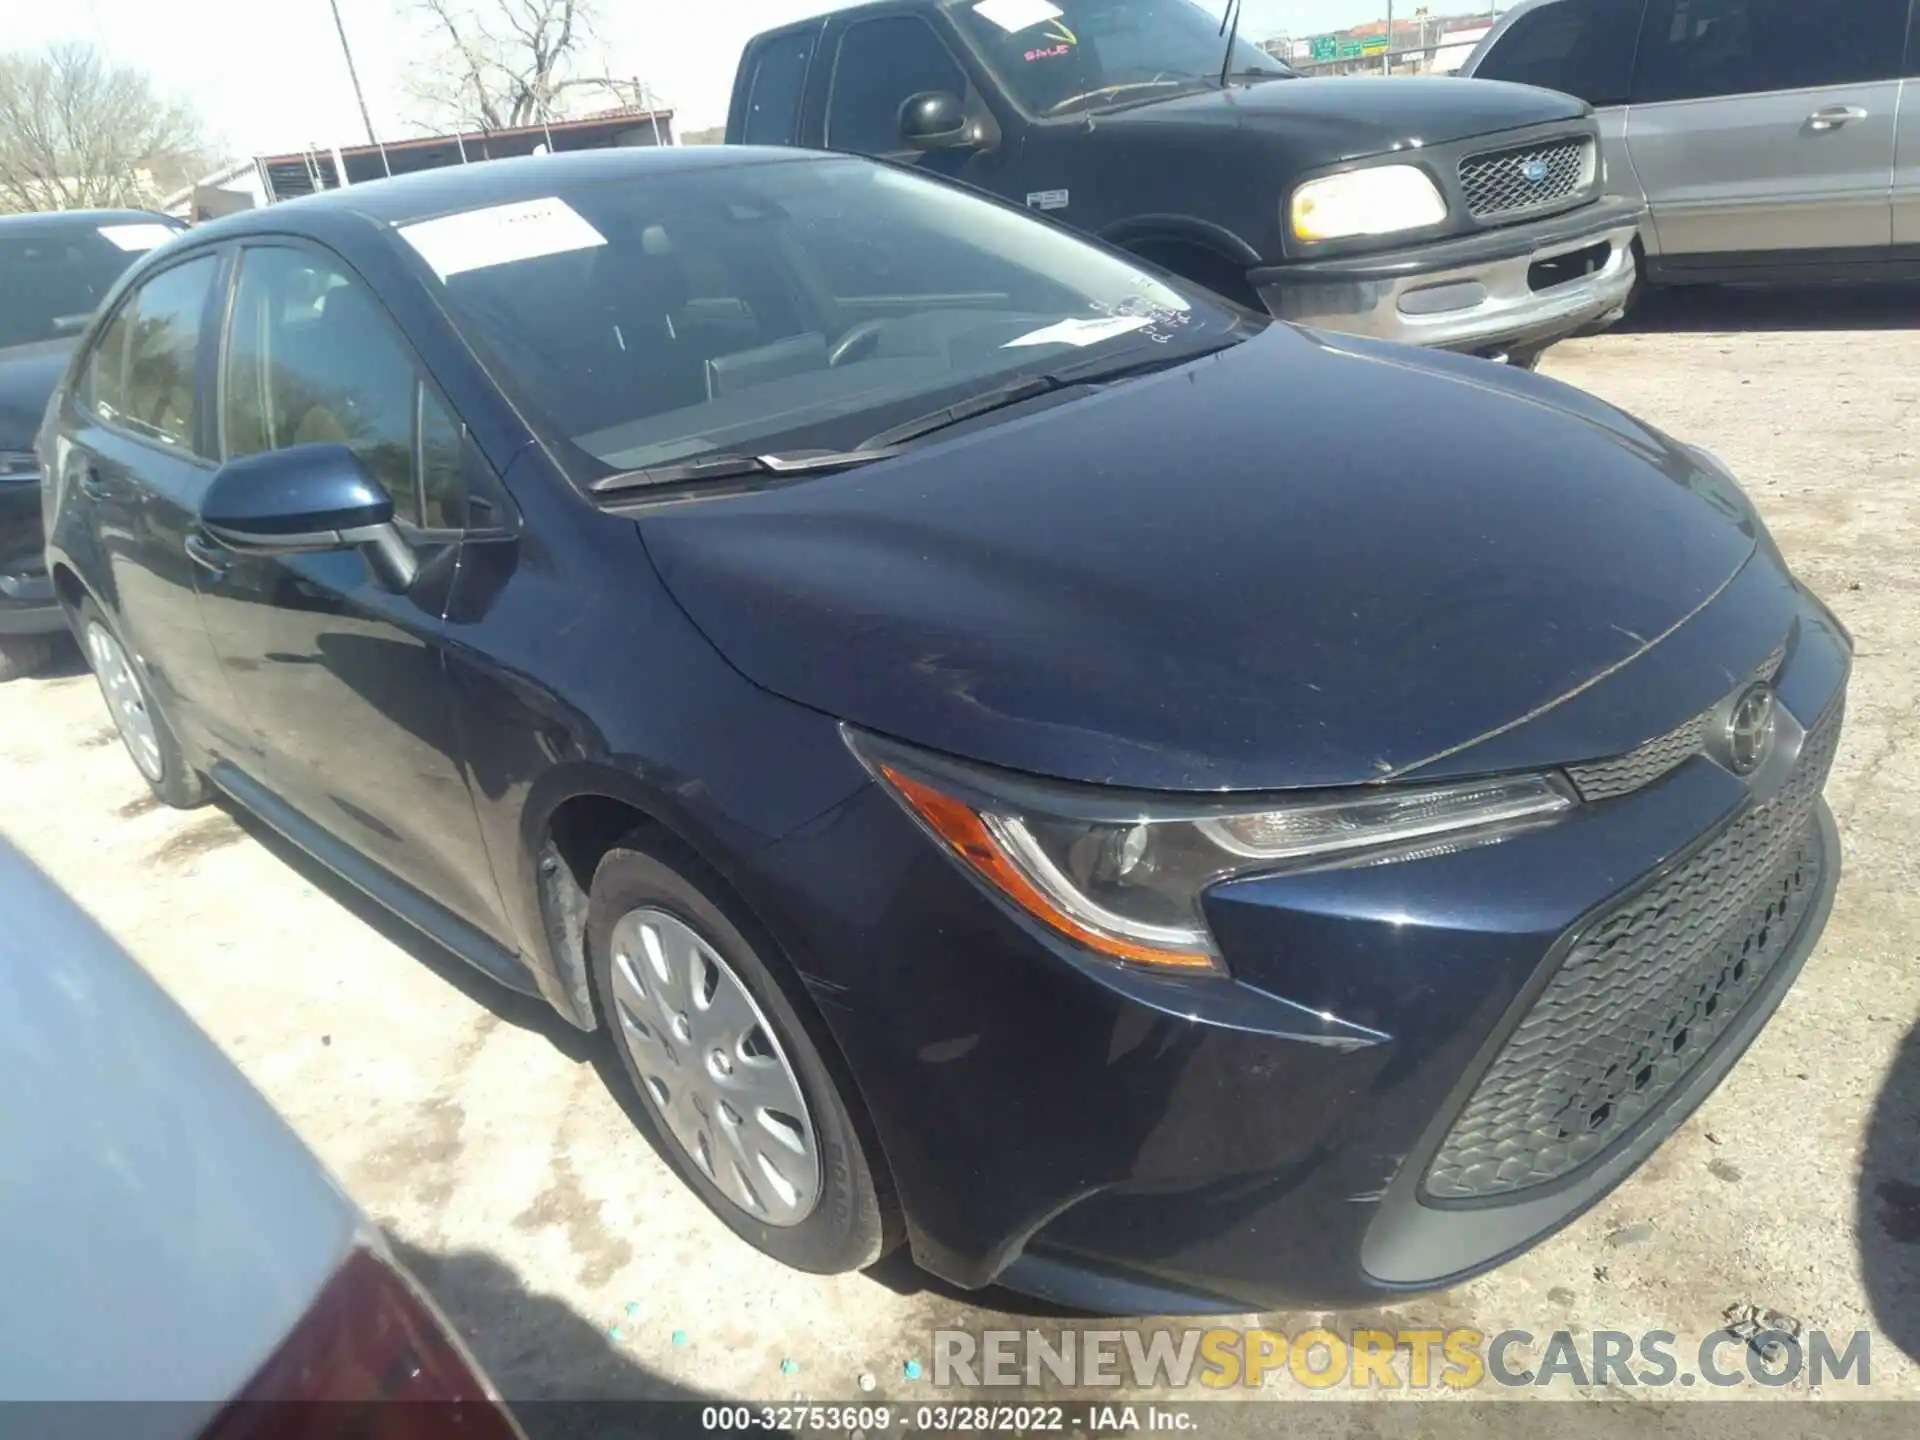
(935, 120)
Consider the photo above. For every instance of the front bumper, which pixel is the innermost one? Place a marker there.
(1517, 288)
(1118, 1141)
(28, 605)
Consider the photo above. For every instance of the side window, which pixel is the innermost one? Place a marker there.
(881, 64)
(1691, 49)
(142, 374)
(312, 358)
(773, 99)
(1581, 47)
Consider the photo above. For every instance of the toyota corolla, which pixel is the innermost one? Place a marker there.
(1012, 761)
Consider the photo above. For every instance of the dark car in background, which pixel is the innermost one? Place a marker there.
(1772, 140)
(174, 1246)
(1006, 762)
(1470, 218)
(54, 268)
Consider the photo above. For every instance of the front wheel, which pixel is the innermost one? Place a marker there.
(143, 729)
(736, 1094)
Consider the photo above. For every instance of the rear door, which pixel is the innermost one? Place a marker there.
(1763, 130)
(338, 678)
(138, 461)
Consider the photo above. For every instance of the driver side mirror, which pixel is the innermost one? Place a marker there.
(304, 501)
(936, 120)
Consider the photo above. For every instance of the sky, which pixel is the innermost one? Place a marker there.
(267, 75)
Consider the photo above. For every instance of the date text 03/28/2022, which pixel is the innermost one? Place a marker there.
(963, 1419)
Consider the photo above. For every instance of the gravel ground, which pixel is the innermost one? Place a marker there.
(482, 1132)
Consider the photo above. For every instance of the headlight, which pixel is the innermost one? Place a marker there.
(1124, 876)
(1366, 202)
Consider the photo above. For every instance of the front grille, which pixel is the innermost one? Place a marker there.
(1646, 763)
(1509, 182)
(1640, 767)
(1642, 995)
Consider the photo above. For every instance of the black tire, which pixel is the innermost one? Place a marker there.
(179, 784)
(24, 655)
(854, 1223)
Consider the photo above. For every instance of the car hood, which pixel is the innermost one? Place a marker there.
(28, 374)
(1301, 561)
(1347, 117)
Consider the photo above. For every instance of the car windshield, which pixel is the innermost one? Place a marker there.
(776, 306)
(1067, 56)
(52, 277)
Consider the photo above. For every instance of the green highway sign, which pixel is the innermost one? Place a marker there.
(1324, 47)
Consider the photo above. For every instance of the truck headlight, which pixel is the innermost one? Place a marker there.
(1123, 875)
(1380, 201)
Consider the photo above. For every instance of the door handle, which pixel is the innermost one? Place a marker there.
(216, 560)
(1832, 117)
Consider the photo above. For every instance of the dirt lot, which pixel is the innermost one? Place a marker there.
(483, 1134)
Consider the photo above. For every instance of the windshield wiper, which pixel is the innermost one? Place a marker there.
(998, 398)
(1028, 387)
(729, 466)
(890, 442)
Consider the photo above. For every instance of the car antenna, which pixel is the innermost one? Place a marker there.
(1232, 32)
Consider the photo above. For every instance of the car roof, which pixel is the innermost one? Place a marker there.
(443, 191)
(47, 222)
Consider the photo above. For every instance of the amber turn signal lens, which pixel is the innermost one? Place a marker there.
(966, 834)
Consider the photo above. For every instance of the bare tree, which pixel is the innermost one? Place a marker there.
(503, 63)
(78, 130)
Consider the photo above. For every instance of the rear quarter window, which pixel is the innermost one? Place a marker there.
(775, 88)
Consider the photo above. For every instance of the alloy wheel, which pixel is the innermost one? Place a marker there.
(126, 700)
(712, 1067)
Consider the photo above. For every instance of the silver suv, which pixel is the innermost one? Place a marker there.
(1767, 137)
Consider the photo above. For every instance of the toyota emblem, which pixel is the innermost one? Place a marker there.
(1749, 732)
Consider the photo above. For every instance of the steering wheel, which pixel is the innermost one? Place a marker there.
(861, 337)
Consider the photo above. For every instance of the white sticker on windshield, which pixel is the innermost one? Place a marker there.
(1081, 333)
(139, 236)
(1013, 16)
(500, 235)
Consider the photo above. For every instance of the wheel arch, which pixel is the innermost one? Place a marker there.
(580, 813)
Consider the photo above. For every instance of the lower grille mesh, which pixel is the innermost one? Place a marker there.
(1642, 995)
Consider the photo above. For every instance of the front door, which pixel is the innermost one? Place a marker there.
(1761, 128)
(878, 63)
(339, 679)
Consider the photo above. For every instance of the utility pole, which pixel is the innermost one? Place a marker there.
(354, 75)
(1386, 60)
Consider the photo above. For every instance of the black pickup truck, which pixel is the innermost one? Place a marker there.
(1466, 214)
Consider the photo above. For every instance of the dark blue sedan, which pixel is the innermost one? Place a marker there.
(1023, 758)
